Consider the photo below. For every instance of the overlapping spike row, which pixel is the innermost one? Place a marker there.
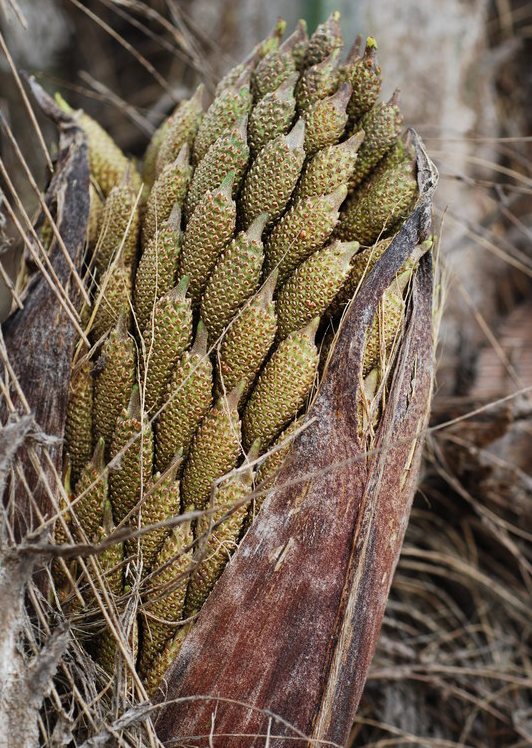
(219, 271)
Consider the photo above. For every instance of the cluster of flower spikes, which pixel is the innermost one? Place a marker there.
(218, 274)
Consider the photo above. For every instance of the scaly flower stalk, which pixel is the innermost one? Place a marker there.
(325, 120)
(329, 168)
(221, 531)
(119, 226)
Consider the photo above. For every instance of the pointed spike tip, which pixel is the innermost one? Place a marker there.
(98, 459)
(174, 219)
(233, 398)
(310, 329)
(296, 136)
(226, 187)
(265, 295)
(254, 232)
(371, 44)
(183, 157)
(134, 405)
(182, 288)
(201, 340)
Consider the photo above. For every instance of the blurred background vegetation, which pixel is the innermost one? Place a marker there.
(454, 664)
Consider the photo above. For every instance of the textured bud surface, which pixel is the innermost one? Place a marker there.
(273, 175)
(188, 398)
(227, 108)
(234, 279)
(78, 423)
(282, 387)
(305, 227)
(311, 288)
(214, 451)
(209, 230)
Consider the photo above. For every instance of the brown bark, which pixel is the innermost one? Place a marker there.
(40, 338)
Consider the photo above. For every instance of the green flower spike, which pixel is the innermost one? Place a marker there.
(188, 398)
(132, 453)
(119, 226)
(78, 424)
(169, 189)
(272, 115)
(91, 494)
(282, 388)
(165, 599)
(312, 287)
(330, 168)
(273, 176)
(380, 208)
(304, 228)
(365, 76)
(214, 451)
(230, 152)
(221, 531)
(114, 376)
(208, 232)
(157, 270)
(182, 128)
(381, 125)
(234, 279)
(326, 38)
(247, 342)
(166, 337)
(325, 120)
(161, 500)
(227, 108)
